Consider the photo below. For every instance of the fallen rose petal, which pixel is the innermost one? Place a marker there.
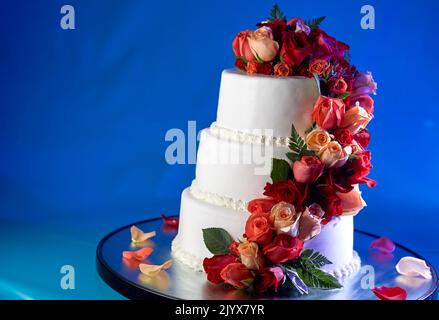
(413, 267)
(139, 254)
(383, 244)
(138, 235)
(170, 221)
(390, 293)
(152, 270)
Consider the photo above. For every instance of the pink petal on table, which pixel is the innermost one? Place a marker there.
(383, 244)
(413, 267)
(390, 293)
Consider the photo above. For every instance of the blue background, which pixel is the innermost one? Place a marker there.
(84, 113)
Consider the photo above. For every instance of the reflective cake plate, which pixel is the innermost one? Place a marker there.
(182, 282)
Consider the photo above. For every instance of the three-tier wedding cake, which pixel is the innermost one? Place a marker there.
(277, 173)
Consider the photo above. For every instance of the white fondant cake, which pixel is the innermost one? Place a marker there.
(253, 124)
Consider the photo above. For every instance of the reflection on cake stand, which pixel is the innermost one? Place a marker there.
(182, 282)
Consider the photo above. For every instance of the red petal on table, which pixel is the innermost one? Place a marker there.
(383, 244)
(170, 221)
(390, 293)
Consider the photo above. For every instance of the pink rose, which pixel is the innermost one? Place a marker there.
(351, 202)
(328, 112)
(355, 119)
(308, 169)
(365, 102)
(283, 248)
(237, 275)
(262, 44)
(363, 85)
(241, 46)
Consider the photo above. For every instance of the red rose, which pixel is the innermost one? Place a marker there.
(288, 191)
(264, 281)
(328, 112)
(213, 266)
(326, 46)
(362, 137)
(343, 136)
(365, 101)
(283, 70)
(241, 46)
(240, 64)
(233, 248)
(262, 68)
(295, 47)
(277, 27)
(258, 228)
(308, 169)
(283, 248)
(262, 205)
(337, 85)
(237, 275)
(356, 170)
(326, 197)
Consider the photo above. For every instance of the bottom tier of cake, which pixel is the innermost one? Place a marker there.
(198, 212)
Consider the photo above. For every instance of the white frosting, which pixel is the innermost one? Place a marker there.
(335, 240)
(266, 102)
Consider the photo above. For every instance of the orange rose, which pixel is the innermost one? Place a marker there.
(328, 112)
(248, 252)
(283, 216)
(258, 229)
(319, 66)
(283, 70)
(332, 153)
(262, 44)
(355, 119)
(317, 139)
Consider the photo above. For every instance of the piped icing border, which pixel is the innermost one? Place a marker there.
(216, 199)
(246, 137)
(196, 262)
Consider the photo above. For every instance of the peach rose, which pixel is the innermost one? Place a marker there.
(248, 252)
(355, 119)
(283, 69)
(309, 226)
(351, 202)
(328, 112)
(262, 44)
(283, 217)
(332, 153)
(319, 66)
(317, 139)
(241, 46)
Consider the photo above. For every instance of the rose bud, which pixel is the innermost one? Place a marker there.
(283, 69)
(328, 112)
(343, 136)
(352, 202)
(283, 217)
(364, 101)
(362, 137)
(337, 85)
(262, 205)
(248, 252)
(319, 66)
(258, 229)
(213, 266)
(308, 169)
(241, 46)
(262, 44)
(355, 119)
(237, 275)
(240, 64)
(317, 139)
(332, 153)
(283, 248)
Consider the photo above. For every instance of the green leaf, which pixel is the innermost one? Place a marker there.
(344, 95)
(276, 14)
(314, 23)
(217, 240)
(281, 170)
(313, 259)
(297, 145)
(314, 125)
(316, 278)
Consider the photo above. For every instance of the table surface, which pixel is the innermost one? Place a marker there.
(34, 253)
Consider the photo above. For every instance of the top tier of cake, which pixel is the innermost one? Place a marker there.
(257, 102)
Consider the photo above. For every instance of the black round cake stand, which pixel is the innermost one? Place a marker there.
(182, 282)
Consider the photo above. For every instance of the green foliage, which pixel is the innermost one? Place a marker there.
(314, 23)
(276, 14)
(217, 240)
(313, 259)
(316, 278)
(281, 170)
(297, 146)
